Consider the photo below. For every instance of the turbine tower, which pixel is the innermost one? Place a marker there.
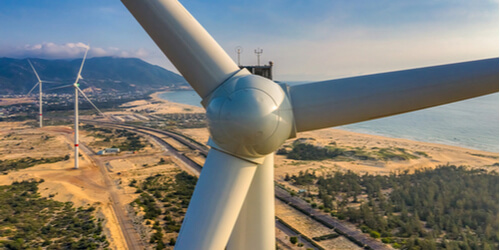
(250, 117)
(39, 83)
(76, 85)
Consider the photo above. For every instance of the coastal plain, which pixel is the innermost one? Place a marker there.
(87, 186)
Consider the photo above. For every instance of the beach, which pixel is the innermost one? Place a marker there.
(471, 123)
(429, 154)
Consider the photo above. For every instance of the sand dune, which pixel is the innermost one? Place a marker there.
(438, 154)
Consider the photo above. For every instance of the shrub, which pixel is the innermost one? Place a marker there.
(374, 234)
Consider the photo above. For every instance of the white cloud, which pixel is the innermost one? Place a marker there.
(51, 50)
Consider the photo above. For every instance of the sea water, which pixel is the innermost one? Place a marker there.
(471, 123)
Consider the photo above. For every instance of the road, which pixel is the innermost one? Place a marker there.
(288, 231)
(327, 220)
(130, 235)
(280, 193)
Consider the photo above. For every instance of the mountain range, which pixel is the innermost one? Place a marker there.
(110, 74)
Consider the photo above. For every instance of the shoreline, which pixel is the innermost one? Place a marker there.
(445, 142)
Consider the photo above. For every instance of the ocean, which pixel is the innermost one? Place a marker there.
(471, 123)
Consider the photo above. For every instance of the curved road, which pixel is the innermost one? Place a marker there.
(280, 193)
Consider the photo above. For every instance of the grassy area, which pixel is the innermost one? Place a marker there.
(162, 202)
(115, 138)
(28, 221)
(16, 164)
(305, 151)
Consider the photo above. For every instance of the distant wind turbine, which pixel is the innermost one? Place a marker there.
(39, 83)
(250, 117)
(76, 85)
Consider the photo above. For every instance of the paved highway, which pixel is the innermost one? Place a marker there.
(280, 193)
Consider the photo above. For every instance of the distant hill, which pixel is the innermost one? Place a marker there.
(111, 74)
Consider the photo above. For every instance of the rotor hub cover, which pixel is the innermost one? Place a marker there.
(249, 116)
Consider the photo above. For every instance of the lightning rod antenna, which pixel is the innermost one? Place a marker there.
(239, 50)
(258, 51)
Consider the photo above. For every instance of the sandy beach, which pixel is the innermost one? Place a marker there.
(429, 154)
(156, 105)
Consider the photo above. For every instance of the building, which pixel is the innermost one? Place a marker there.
(264, 71)
(109, 151)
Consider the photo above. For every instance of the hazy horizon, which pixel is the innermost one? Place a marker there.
(306, 40)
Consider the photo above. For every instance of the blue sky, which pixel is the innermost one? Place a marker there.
(307, 40)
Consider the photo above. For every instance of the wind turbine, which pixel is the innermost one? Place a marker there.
(76, 85)
(250, 117)
(39, 83)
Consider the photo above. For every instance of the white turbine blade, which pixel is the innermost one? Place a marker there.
(34, 70)
(54, 82)
(61, 87)
(255, 228)
(197, 56)
(78, 76)
(344, 101)
(84, 95)
(216, 202)
(33, 88)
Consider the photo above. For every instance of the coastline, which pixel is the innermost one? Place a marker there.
(433, 154)
(468, 124)
(87, 186)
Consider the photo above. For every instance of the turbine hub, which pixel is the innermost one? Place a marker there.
(249, 116)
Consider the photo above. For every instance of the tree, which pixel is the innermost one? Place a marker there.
(287, 177)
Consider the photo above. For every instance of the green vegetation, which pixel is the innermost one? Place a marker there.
(303, 179)
(485, 156)
(444, 208)
(326, 237)
(394, 154)
(29, 221)
(302, 151)
(115, 138)
(132, 142)
(16, 164)
(306, 151)
(184, 120)
(164, 200)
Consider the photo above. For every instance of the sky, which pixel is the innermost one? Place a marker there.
(307, 40)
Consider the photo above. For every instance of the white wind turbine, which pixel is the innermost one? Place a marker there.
(39, 83)
(76, 85)
(250, 117)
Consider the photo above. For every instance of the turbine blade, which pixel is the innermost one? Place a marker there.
(51, 82)
(34, 70)
(197, 56)
(344, 101)
(216, 202)
(255, 226)
(33, 88)
(84, 95)
(78, 76)
(61, 87)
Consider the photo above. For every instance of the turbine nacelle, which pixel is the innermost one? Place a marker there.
(249, 116)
